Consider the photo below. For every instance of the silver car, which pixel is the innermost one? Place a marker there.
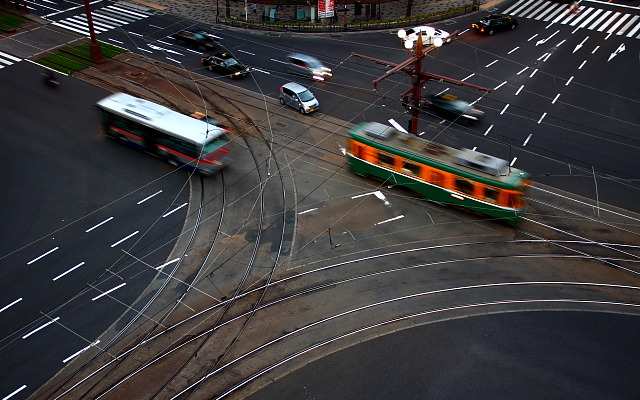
(302, 64)
(299, 97)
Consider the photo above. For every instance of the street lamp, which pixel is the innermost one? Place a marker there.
(410, 44)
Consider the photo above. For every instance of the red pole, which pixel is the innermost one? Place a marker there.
(417, 86)
(94, 48)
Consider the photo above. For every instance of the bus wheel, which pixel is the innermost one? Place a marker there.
(173, 161)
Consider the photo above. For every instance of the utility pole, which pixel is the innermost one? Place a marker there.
(413, 67)
(94, 48)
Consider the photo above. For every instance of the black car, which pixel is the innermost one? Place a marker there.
(451, 107)
(225, 63)
(198, 40)
(494, 23)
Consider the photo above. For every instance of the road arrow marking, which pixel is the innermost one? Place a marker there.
(580, 45)
(618, 51)
(545, 40)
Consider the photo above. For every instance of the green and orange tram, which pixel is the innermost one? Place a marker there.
(458, 177)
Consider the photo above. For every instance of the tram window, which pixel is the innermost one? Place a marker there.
(411, 168)
(385, 159)
(491, 194)
(464, 186)
(437, 178)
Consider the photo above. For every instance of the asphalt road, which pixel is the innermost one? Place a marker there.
(532, 355)
(354, 84)
(70, 195)
(561, 104)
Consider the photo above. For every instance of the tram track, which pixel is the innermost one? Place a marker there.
(295, 293)
(157, 322)
(300, 287)
(257, 240)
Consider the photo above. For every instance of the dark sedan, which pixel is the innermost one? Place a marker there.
(451, 107)
(494, 23)
(197, 40)
(226, 64)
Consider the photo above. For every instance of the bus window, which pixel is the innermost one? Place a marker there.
(464, 186)
(385, 159)
(491, 194)
(410, 168)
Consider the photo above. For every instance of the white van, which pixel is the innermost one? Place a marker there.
(299, 97)
(308, 66)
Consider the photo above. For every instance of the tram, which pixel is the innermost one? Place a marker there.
(458, 177)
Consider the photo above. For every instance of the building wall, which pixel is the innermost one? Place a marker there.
(260, 9)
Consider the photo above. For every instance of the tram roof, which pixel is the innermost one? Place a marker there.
(161, 118)
(423, 150)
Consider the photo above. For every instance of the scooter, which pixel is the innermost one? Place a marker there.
(50, 79)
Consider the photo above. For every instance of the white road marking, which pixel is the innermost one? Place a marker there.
(41, 327)
(542, 117)
(174, 210)
(44, 255)
(488, 129)
(149, 197)
(467, 77)
(10, 304)
(380, 196)
(9, 56)
(122, 240)
(397, 125)
(18, 390)
(80, 351)
(101, 223)
(67, 271)
(159, 267)
(390, 219)
(109, 291)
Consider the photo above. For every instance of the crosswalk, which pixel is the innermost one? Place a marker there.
(7, 59)
(104, 19)
(608, 21)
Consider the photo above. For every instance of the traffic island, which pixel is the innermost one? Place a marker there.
(70, 59)
(9, 23)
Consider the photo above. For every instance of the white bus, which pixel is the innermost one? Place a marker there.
(175, 137)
